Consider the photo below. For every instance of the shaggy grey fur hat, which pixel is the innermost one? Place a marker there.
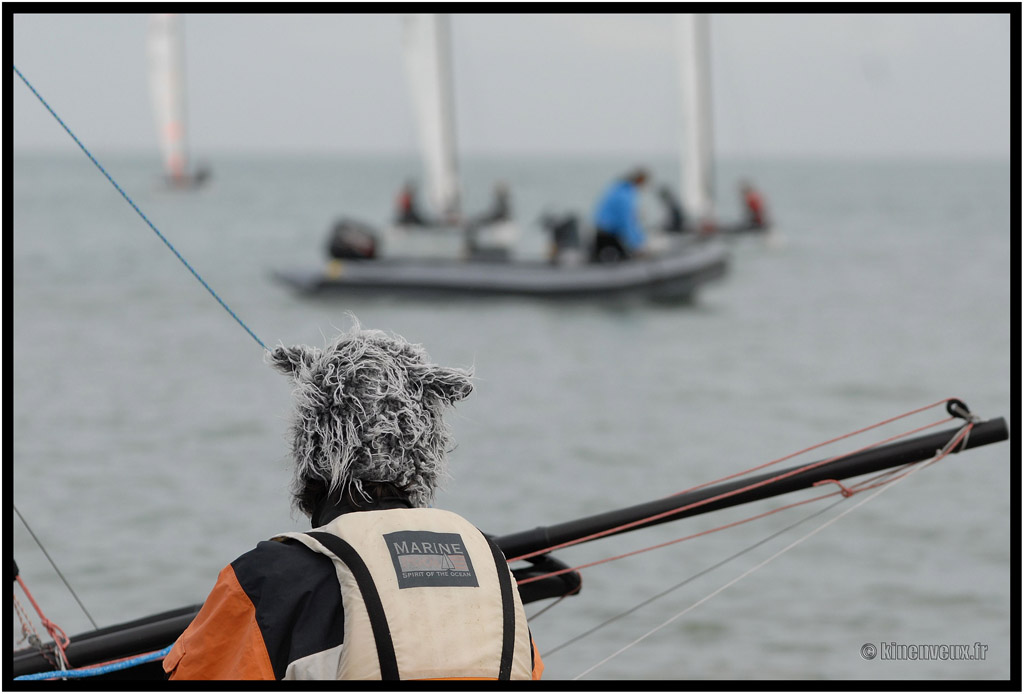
(369, 408)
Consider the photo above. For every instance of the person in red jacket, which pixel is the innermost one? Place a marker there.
(407, 212)
(753, 203)
(384, 586)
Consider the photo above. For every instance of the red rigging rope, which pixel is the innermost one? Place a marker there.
(60, 639)
(826, 443)
(28, 631)
(60, 573)
(885, 478)
(960, 437)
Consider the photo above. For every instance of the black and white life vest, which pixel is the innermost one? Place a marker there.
(425, 596)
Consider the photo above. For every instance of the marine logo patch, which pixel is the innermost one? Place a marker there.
(423, 558)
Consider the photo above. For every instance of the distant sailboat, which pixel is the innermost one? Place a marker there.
(427, 47)
(165, 47)
(696, 214)
(697, 190)
(444, 230)
(428, 62)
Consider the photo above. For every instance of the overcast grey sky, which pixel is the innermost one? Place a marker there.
(784, 84)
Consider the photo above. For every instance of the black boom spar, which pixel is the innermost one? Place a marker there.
(879, 458)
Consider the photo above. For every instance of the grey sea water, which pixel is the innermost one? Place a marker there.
(150, 446)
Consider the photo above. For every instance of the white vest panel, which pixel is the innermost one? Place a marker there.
(436, 578)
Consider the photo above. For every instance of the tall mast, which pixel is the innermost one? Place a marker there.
(167, 85)
(697, 194)
(429, 67)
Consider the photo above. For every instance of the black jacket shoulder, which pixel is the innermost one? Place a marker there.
(297, 599)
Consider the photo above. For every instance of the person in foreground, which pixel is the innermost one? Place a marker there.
(384, 586)
(618, 232)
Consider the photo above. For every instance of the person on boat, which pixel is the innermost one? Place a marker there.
(675, 220)
(385, 586)
(618, 232)
(406, 211)
(501, 207)
(500, 211)
(753, 205)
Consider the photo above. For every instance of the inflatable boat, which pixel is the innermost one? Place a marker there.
(672, 276)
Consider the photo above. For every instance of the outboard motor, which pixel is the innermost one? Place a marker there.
(565, 238)
(352, 240)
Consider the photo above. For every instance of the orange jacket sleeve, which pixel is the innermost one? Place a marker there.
(224, 641)
(538, 664)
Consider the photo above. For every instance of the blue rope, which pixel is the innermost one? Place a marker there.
(136, 208)
(94, 671)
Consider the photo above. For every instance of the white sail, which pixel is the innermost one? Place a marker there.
(165, 49)
(428, 63)
(697, 192)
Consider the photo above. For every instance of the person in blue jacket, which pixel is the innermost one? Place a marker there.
(619, 234)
